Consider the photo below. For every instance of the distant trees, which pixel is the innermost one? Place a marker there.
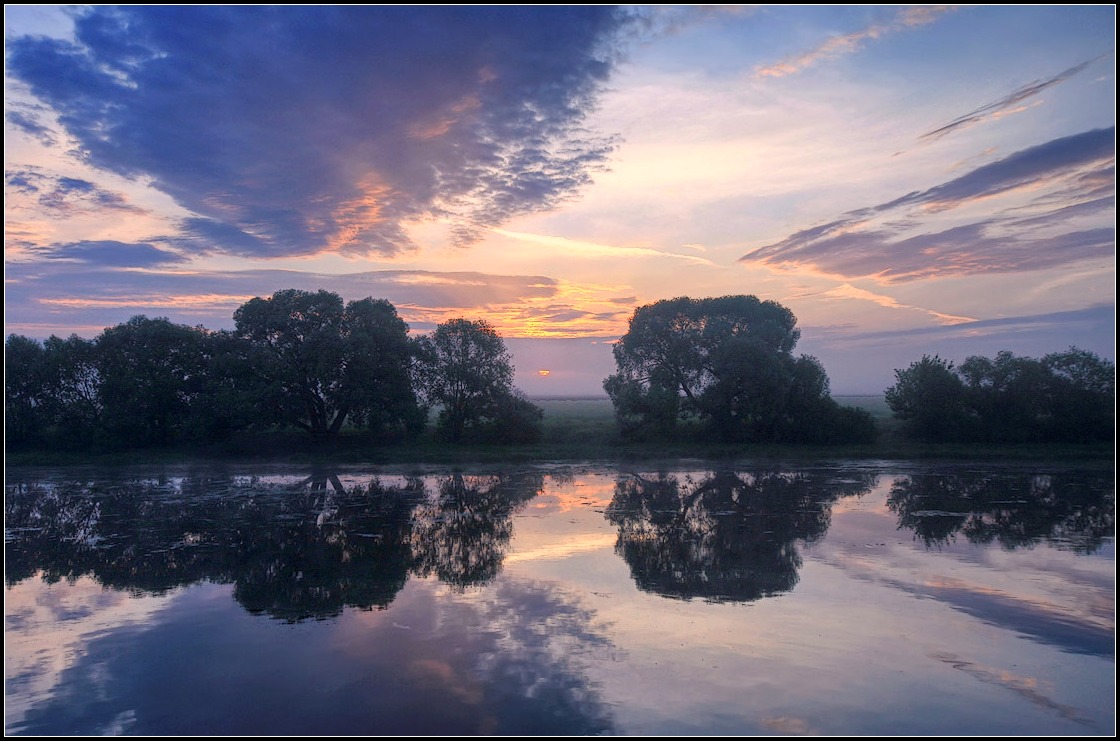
(726, 363)
(1063, 397)
(464, 369)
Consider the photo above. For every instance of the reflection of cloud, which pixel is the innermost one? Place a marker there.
(1063, 176)
(1025, 687)
(47, 630)
(785, 724)
(558, 550)
(293, 130)
(1011, 103)
(837, 46)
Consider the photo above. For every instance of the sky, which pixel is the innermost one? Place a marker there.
(908, 180)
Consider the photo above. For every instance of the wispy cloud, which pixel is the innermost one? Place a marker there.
(848, 291)
(1014, 102)
(63, 195)
(575, 247)
(1065, 177)
(111, 253)
(1033, 325)
(840, 45)
(298, 130)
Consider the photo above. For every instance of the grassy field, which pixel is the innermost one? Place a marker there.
(573, 429)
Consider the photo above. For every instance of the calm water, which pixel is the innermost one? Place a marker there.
(860, 599)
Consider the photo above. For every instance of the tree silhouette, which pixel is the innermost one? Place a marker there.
(320, 362)
(463, 367)
(727, 363)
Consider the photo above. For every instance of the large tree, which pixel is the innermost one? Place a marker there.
(728, 363)
(464, 369)
(321, 362)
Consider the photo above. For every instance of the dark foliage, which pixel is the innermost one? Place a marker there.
(724, 367)
(464, 369)
(1066, 397)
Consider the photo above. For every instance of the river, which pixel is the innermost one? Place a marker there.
(680, 598)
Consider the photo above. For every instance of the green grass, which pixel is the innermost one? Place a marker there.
(572, 429)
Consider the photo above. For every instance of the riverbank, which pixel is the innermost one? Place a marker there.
(573, 429)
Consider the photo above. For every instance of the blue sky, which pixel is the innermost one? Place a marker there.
(906, 179)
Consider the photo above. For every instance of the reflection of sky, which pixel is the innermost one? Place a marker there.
(47, 629)
(880, 634)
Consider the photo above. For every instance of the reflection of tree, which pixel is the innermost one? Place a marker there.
(132, 535)
(727, 537)
(1074, 510)
(312, 555)
(462, 536)
(293, 552)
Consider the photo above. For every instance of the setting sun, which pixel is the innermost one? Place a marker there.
(543, 372)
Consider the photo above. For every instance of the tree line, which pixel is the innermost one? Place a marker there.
(714, 369)
(1066, 397)
(296, 359)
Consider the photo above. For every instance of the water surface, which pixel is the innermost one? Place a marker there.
(681, 598)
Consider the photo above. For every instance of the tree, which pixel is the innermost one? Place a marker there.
(1010, 397)
(1083, 397)
(1064, 397)
(930, 397)
(725, 362)
(74, 390)
(319, 362)
(151, 371)
(25, 371)
(463, 367)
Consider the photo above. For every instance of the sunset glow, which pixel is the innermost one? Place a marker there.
(931, 179)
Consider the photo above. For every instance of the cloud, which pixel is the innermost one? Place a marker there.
(1065, 220)
(1011, 103)
(575, 247)
(65, 195)
(26, 118)
(848, 291)
(298, 130)
(837, 46)
(110, 253)
(89, 290)
(1053, 325)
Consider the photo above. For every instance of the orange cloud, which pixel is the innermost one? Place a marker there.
(849, 43)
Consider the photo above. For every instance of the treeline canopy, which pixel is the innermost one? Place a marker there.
(1063, 397)
(298, 358)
